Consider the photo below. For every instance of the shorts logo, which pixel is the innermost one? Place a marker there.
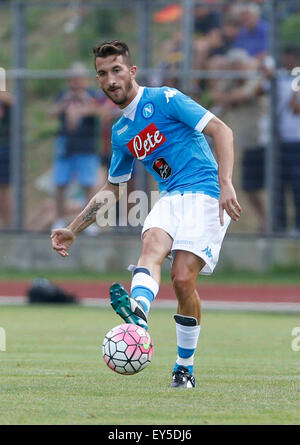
(184, 242)
(148, 110)
(144, 143)
(207, 251)
(161, 167)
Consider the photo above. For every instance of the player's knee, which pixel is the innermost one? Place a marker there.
(151, 244)
(183, 282)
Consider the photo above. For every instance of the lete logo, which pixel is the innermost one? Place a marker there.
(148, 140)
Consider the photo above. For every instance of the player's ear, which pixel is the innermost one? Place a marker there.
(98, 78)
(132, 70)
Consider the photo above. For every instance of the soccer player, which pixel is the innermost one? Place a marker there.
(164, 129)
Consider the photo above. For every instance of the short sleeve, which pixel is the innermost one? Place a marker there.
(184, 109)
(121, 166)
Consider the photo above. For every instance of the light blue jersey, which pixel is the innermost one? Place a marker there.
(162, 127)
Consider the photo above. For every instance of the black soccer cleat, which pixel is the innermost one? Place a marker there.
(182, 378)
(128, 308)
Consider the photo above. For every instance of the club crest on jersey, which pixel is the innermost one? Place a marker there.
(161, 167)
(148, 110)
(144, 143)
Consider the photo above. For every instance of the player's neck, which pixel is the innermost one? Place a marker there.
(131, 95)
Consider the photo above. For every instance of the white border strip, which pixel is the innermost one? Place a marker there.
(206, 305)
(118, 179)
(204, 121)
(2, 79)
(13, 300)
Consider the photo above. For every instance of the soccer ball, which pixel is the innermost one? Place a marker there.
(127, 349)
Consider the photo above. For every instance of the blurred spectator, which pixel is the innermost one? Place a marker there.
(207, 33)
(108, 118)
(218, 45)
(207, 20)
(207, 36)
(242, 107)
(289, 126)
(6, 102)
(171, 52)
(288, 161)
(254, 34)
(229, 31)
(44, 217)
(78, 109)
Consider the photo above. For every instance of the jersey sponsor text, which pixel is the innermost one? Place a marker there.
(144, 143)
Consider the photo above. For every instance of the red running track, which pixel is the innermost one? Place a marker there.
(207, 292)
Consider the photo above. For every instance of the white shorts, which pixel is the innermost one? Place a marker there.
(192, 220)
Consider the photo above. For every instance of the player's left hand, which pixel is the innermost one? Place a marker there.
(61, 240)
(228, 202)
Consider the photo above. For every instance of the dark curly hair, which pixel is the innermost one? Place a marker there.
(116, 47)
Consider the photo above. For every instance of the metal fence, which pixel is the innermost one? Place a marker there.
(25, 21)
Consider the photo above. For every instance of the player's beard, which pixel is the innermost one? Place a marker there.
(123, 97)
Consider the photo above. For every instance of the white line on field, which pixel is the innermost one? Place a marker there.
(206, 305)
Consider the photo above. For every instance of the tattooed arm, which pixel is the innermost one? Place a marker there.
(63, 238)
(98, 202)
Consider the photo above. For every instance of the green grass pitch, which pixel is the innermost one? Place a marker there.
(53, 371)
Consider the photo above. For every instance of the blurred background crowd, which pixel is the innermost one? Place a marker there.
(235, 70)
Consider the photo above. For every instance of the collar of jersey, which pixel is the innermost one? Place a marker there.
(129, 111)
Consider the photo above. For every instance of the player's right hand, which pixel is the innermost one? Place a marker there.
(61, 240)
